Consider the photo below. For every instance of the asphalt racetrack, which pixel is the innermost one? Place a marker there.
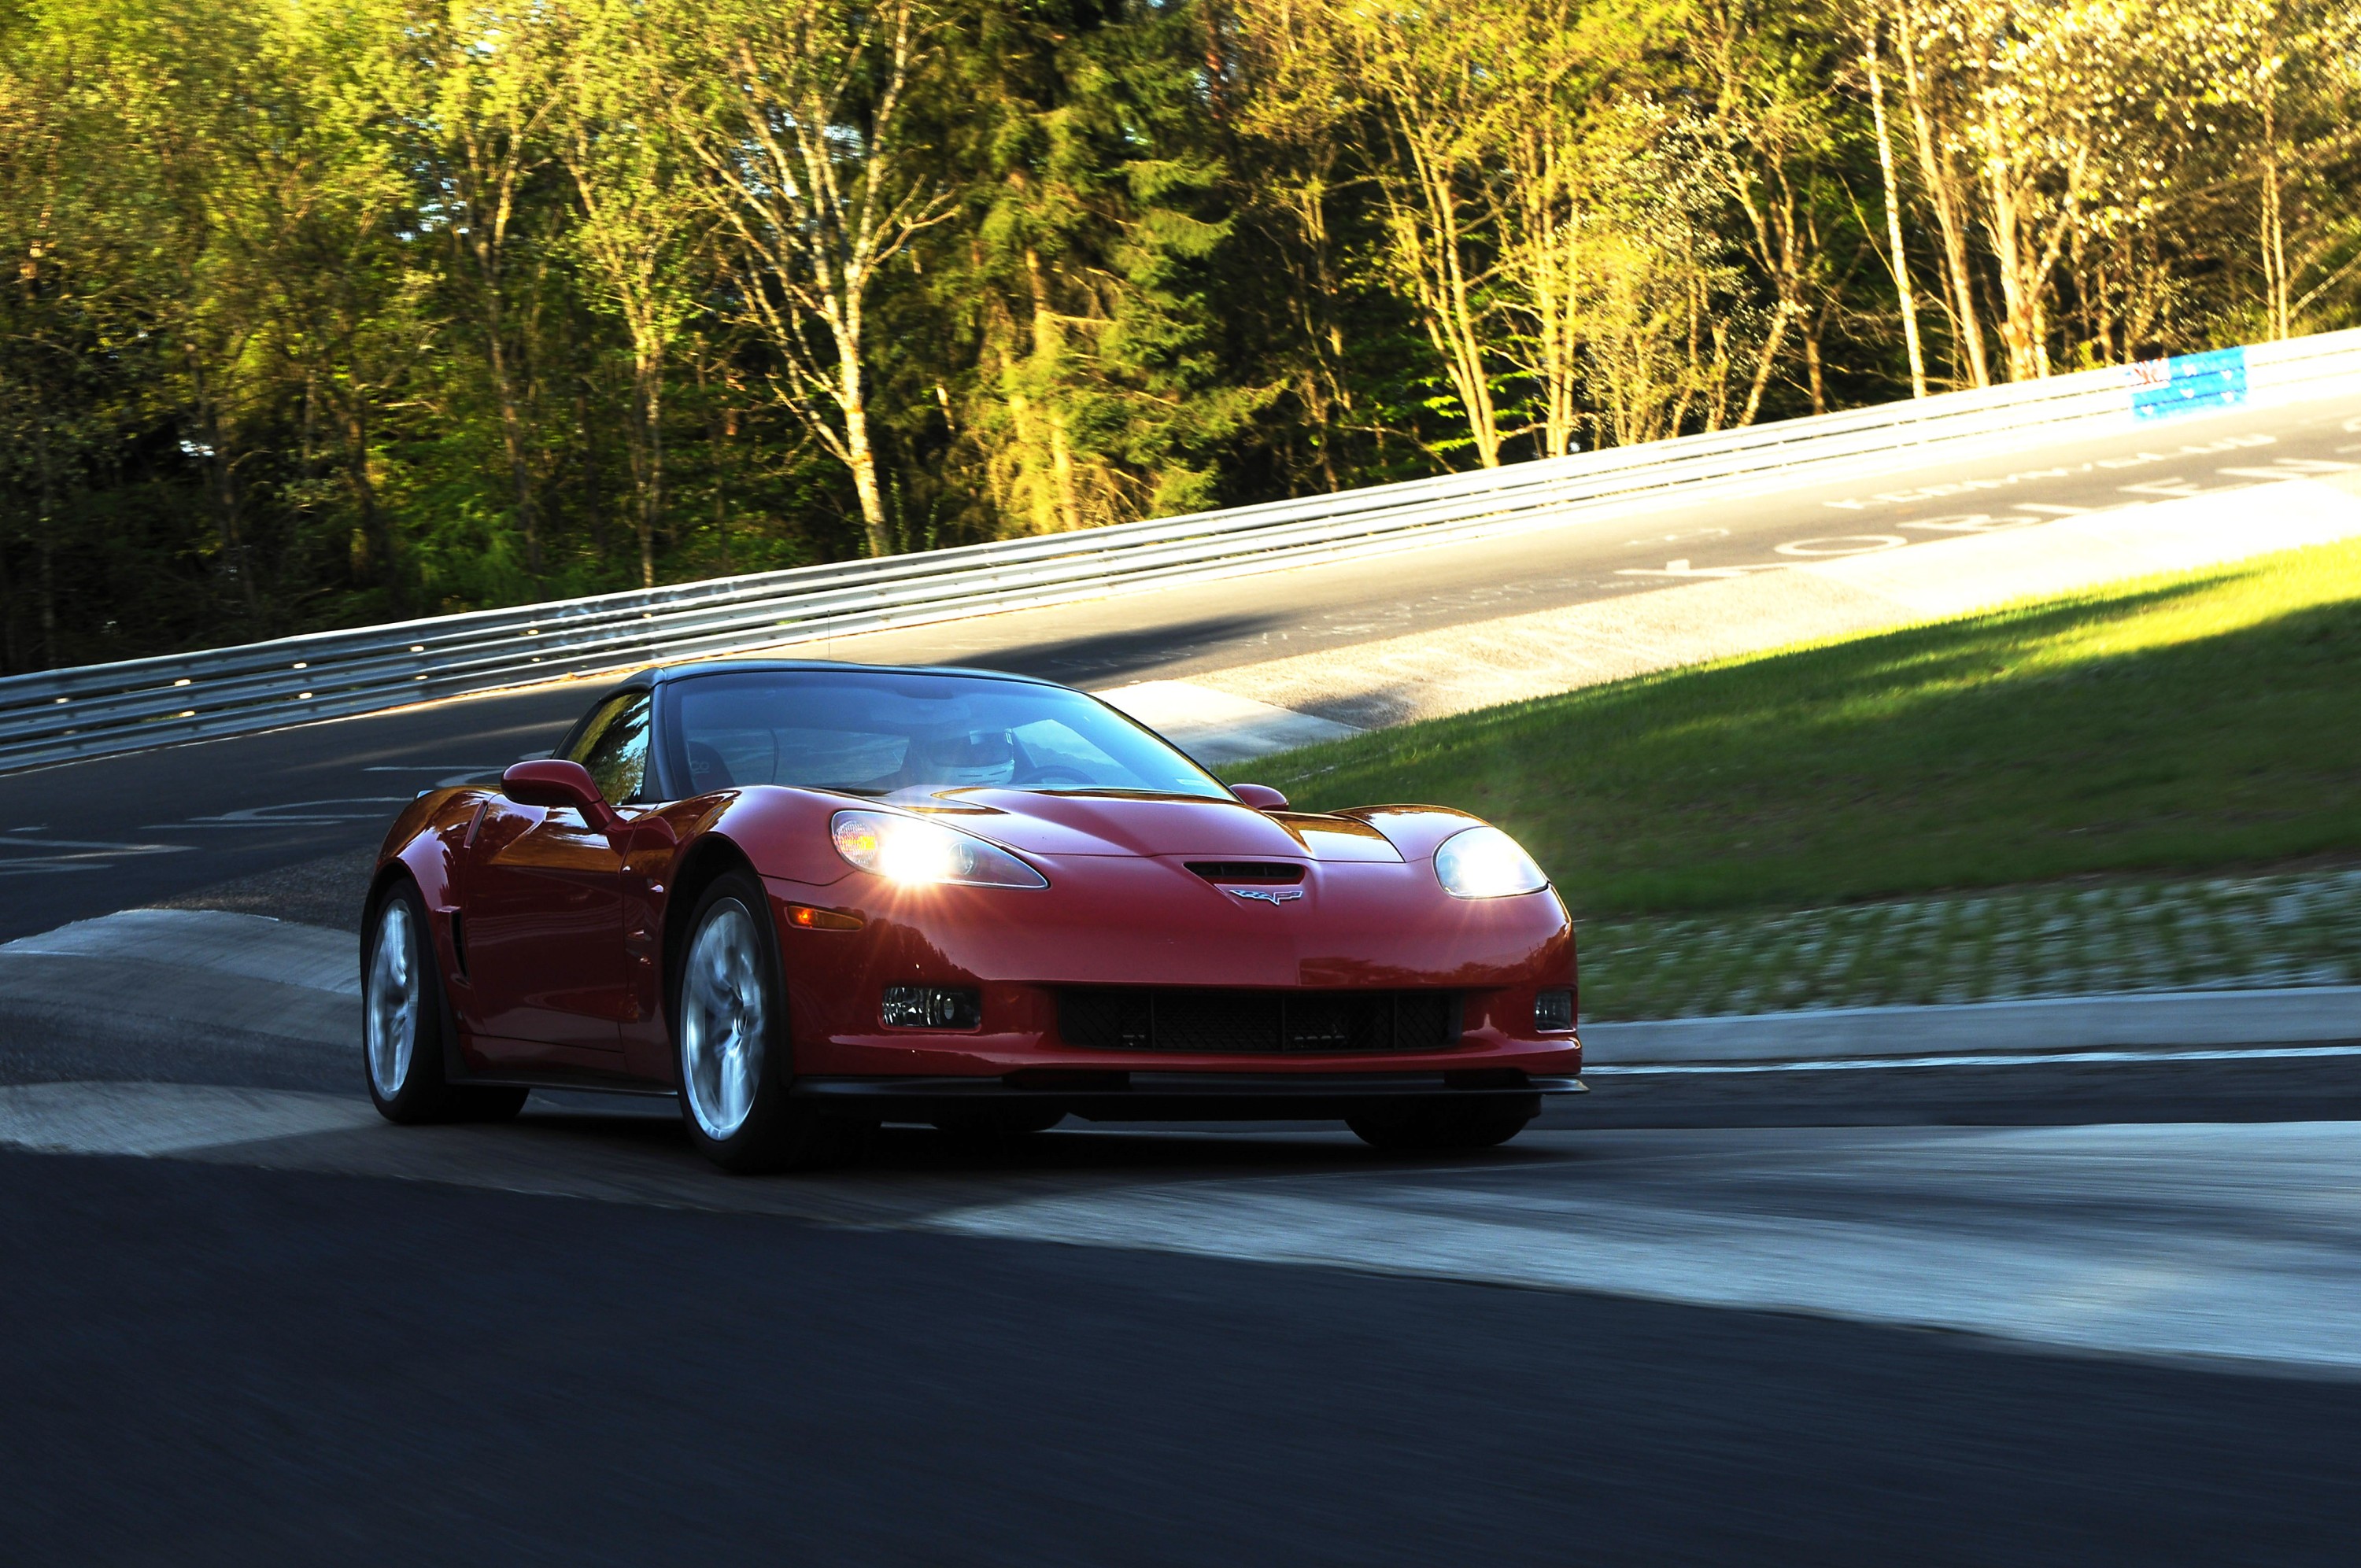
(2055, 1312)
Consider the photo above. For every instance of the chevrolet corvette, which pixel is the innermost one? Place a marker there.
(811, 898)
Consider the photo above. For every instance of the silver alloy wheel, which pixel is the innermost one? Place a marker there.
(724, 1013)
(393, 1007)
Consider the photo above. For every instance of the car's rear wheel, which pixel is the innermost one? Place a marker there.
(730, 1036)
(1443, 1126)
(403, 1023)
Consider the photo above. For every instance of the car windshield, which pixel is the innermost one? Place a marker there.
(882, 733)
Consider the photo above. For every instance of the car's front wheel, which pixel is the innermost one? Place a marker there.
(730, 1036)
(403, 1023)
(1443, 1126)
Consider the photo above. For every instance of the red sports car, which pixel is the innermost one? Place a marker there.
(810, 898)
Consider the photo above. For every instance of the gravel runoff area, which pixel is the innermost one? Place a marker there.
(2225, 932)
(328, 891)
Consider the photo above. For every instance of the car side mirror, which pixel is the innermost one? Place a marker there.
(559, 784)
(1262, 798)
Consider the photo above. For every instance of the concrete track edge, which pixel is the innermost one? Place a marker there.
(2150, 1020)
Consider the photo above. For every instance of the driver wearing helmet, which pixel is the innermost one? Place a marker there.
(964, 757)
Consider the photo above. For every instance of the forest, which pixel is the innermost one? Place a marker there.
(321, 313)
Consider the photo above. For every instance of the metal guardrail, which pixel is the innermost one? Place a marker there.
(101, 709)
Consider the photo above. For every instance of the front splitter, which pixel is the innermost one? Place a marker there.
(1149, 1096)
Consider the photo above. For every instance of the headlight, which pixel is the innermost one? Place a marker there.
(913, 849)
(1484, 862)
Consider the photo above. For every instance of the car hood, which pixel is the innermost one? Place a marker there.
(1042, 822)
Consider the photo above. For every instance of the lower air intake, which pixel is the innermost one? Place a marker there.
(1257, 1023)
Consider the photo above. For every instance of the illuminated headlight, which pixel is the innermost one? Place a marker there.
(913, 849)
(1484, 862)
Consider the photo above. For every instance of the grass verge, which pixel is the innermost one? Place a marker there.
(2164, 726)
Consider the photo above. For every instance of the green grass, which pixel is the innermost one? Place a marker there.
(2154, 729)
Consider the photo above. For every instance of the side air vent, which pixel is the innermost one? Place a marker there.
(1247, 870)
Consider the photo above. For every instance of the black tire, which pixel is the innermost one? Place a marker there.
(408, 1082)
(1443, 1126)
(741, 1115)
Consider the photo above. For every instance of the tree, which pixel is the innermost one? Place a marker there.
(639, 227)
(794, 109)
(472, 87)
(1766, 71)
(68, 367)
(313, 314)
(1088, 261)
(1872, 27)
(1932, 90)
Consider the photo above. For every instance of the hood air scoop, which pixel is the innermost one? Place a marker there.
(1247, 870)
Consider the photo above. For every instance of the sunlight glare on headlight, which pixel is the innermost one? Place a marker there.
(1484, 862)
(908, 850)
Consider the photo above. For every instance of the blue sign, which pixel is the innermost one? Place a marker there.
(2189, 384)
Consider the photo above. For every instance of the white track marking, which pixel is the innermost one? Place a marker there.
(251, 946)
(293, 814)
(165, 1118)
(68, 854)
(2235, 1242)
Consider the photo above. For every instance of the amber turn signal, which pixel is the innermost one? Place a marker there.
(805, 918)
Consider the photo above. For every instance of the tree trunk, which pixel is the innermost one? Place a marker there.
(651, 411)
(858, 455)
(721, 426)
(1898, 259)
(513, 434)
(585, 443)
(1770, 347)
(1049, 354)
(2274, 229)
(2016, 335)
(221, 485)
(2025, 270)
(45, 522)
(1937, 174)
(374, 529)
(1812, 367)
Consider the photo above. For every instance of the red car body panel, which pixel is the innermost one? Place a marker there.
(554, 939)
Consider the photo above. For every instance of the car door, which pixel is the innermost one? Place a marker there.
(544, 912)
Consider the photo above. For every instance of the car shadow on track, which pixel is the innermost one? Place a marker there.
(637, 1152)
(1160, 1151)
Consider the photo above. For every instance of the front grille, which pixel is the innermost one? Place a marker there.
(1257, 1023)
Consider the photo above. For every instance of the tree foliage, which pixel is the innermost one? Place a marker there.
(318, 312)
